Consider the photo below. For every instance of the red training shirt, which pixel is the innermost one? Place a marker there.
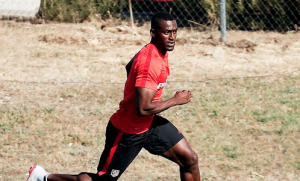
(150, 69)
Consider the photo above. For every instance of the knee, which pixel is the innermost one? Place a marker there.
(191, 160)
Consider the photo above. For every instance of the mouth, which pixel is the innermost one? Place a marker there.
(171, 44)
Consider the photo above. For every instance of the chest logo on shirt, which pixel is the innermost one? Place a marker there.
(161, 85)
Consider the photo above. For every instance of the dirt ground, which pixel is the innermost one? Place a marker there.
(59, 83)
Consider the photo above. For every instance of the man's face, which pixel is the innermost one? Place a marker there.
(165, 35)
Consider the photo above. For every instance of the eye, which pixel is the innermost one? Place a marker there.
(167, 32)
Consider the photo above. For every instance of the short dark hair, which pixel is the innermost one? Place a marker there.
(160, 16)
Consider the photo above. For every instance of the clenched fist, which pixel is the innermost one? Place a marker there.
(182, 97)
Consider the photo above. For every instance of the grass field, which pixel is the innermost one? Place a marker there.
(60, 83)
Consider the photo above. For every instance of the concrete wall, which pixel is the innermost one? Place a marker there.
(19, 8)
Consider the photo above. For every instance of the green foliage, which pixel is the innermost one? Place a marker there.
(276, 15)
(78, 10)
(279, 15)
(253, 15)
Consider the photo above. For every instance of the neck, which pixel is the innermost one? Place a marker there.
(160, 49)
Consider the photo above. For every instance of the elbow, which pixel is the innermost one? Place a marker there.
(141, 113)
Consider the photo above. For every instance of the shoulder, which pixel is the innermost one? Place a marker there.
(148, 55)
(147, 51)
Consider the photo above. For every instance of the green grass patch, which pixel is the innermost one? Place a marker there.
(230, 151)
(297, 165)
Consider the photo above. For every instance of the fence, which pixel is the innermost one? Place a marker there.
(187, 13)
(274, 15)
(19, 8)
(250, 15)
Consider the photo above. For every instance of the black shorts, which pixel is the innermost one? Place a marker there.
(121, 148)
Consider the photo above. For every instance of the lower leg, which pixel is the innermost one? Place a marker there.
(191, 173)
(88, 177)
(65, 177)
(186, 158)
(61, 177)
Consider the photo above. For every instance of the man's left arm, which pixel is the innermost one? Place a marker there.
(145, 105)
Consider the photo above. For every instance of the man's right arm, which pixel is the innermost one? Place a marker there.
(128, 66)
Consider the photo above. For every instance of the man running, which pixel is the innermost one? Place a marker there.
(137, 124)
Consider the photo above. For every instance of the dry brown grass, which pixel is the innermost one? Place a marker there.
(60, 83)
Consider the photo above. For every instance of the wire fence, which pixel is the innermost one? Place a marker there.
(187, 13)
(250, 15)
(278, 15)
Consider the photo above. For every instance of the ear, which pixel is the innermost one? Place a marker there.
(152, 33)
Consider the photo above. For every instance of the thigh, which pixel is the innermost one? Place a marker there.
(164, 135)
(119, 151)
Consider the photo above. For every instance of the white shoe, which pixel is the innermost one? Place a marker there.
(37, 173)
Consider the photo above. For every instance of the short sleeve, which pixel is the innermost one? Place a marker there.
(147, 73)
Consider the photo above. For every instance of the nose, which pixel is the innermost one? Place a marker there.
(172, 36)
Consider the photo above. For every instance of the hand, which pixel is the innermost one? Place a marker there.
(183, 97)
